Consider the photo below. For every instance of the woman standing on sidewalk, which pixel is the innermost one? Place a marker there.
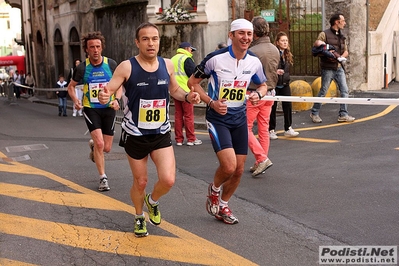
(283, 87)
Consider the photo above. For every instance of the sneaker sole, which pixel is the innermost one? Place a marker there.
(153, 223)
(291, 136)
(226, 222)
(104, 189)
(141, 235)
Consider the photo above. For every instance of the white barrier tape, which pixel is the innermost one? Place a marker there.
(365, 101)
(45, 89)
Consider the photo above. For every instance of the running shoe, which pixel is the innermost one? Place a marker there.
(291, 133)
(226, 216)
(103, 184)
(212, 202)
(315, 118)
(253, 168)
(140, 227)
(154, 213)
(346, 118)
(262, 167)
(195, 142)
(272, 134)
(91, 145)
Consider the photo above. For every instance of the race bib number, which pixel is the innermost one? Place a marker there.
(152, 113)
(234, 91)
(94, 89)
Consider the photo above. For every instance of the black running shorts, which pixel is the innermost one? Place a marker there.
(103, 118)
(138, 147)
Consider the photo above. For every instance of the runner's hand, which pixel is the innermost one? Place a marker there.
(104, 96)
(195, 97)
(220, 106)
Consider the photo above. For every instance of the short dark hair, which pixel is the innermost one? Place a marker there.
(334, 18)
(261, 26)
(144, 25)
(95, 35)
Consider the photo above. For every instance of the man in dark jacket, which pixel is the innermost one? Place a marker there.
(331, 69)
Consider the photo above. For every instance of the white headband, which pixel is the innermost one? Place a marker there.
(241, 24)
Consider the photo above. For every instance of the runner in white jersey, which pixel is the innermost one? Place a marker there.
(229, 71)
(148, 81)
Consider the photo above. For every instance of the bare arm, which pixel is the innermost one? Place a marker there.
(114, 86)
(72, 94)
(175, 90)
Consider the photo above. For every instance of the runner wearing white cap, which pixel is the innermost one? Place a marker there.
(229, 72)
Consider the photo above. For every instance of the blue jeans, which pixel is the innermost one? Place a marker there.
(62, 105)
(327, 75)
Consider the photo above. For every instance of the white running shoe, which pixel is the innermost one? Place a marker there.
(195, 142)
(291, 133)
(272, 134)
(103, 184)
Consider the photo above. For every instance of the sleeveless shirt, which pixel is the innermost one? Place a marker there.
(147, 110)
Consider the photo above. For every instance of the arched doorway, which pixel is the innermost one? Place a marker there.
(74, 46)
(59, 53)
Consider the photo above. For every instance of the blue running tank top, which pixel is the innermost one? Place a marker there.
(147, 109)
(94, 79)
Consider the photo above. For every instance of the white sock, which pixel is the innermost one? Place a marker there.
(223, 203)
(103, 176)
(151, 201)
(216, 189)
(139, 215)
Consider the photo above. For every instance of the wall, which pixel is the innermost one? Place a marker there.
(382, 41)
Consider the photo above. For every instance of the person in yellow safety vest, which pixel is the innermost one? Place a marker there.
(184, 112)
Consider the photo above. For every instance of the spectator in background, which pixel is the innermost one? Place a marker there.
(332, 70)
(283, 87)
(78, 88)
(30, 82)
(62, 95)
(221, 45)
(22, 89)
(269, 56)
(184, 111)
(17, 83)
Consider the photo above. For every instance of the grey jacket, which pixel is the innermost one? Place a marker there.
(269, 57)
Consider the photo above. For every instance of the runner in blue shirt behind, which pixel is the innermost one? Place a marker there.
(229, 72)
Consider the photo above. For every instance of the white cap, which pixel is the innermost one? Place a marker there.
(241, 24)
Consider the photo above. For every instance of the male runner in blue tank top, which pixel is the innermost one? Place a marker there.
(229, 71)
(95, 72)
(148, 81)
